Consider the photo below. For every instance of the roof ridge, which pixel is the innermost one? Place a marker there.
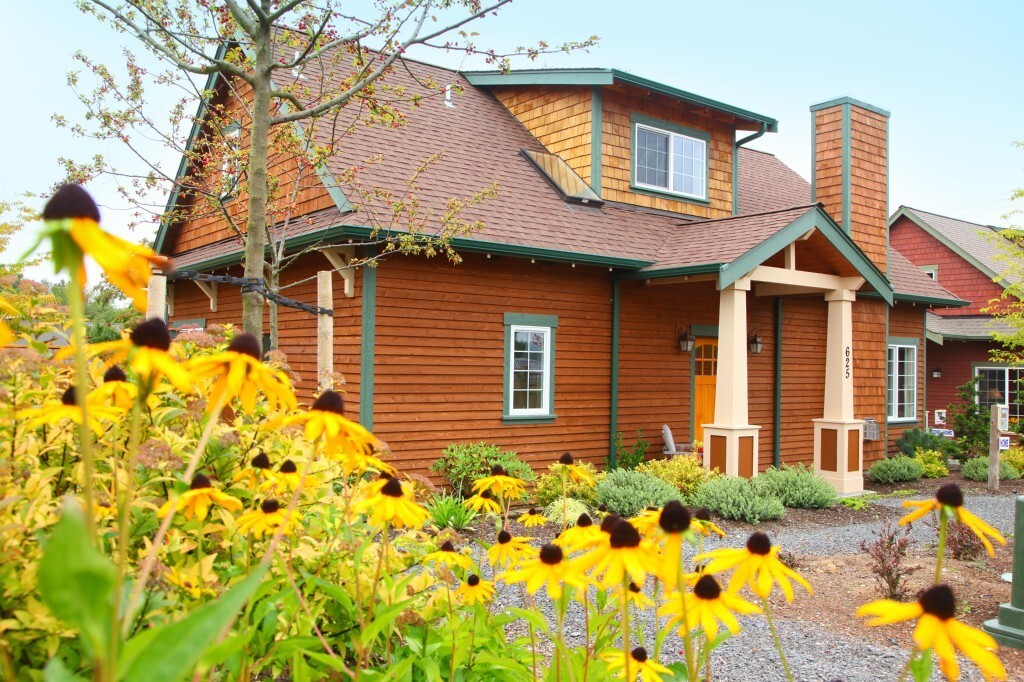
(949, 217)
(761, 151)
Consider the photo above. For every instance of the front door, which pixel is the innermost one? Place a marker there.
(705, 369)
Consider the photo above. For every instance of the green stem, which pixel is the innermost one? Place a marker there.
(624, 625)
(657, 626)
(943, 522)
(775, 638)
(560, 646)
(76, 305)
(565, 500)
(586, 631)
(687, 641)
(124, 519)
(906, 668)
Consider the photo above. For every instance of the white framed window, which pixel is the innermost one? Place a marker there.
(529, 382)
(901, 387)
(1000, 386)
(668, 160)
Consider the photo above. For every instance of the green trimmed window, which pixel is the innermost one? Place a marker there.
(901, 387)
(529, 383)
(1000, 386)
(669, 158)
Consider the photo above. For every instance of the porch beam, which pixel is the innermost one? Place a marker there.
(817, 280)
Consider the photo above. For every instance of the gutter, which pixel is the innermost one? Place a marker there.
(736, 165)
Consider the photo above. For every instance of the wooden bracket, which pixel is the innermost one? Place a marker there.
(210, 289)
(340, 258)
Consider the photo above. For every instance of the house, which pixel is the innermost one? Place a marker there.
(640, 266)
(964, 258)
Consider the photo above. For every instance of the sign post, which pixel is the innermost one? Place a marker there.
(999, 423)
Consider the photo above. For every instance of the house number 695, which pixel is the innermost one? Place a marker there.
(848, 354)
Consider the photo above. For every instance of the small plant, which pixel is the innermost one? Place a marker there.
(685, 472)
(913, 440)
(961, 542)
(859, 503)
(888, 554)
(896, 470)
(572, 508)
(626, 493)
(1014, 457)
(902, 492)
(448, 511)
(977, 470)
(631, 457)
(796, 487)
(969, 421)
(736, 499)
(933, 463)
(463, 463)
(549, 486)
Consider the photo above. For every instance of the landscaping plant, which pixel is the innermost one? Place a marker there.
(738, 500)
(915, 439)
(977, 470)
(1014, 457)
(630, 457)
(448, 511)
(685, 472)
(888, 558)
(463, 463)
(549, 486)
(796, 487)
(969, 422)
(899, 469)
(565, 513)
(933, 463)
(626, 492)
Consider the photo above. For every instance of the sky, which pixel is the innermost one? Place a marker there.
(947, 71)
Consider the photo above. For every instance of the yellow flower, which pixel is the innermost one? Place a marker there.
(198, 499)
(447, 556)
(145, 352)
(475, 591)
(937, 629)
(287, 477)
(949, 499)
(115, 391)
(55, 412)
(193, 580)
(581, 536)
(625, 555)
(568, 464)
(674, 524)
(257, 475)
(757, 565)
(342, 439)
(500, 484)
(267, 520)
(638, 664)
(239, 373)
(647, 521)
(508, 550)
(484, 503)
(550, 569)
(706, 605)
(6, 335)
(388, 504)
(702, 523)
(532, 518)
(634, 595)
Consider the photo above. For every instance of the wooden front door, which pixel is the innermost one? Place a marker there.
(705, 370)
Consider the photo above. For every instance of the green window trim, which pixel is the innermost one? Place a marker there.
(930, 270)
(668, 127)
(550, 324)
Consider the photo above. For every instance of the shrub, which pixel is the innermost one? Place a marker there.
(463, 463)
(736, 499)
(977, 470)
(913, 440)
(1014, 457)
(626, 493)
(969, 421)
(963, 544)
(933, 463)
(896, 470)
(685, 472)
(448, 511)
(549, 486)
(631, 457)
(888, 552)
(573, 509)
(796, 487)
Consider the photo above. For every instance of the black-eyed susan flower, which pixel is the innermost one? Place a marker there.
(475, 591)
(634, 596)
(500, 484)
(508, 550)
(706, 606)
(757, 565)
(639, 664)
(115, 391)
(145, 352)
(949, 499)
(6, 334)
(532, 518)
(567, 464)
(197, 500)
(339, 438)
(674, 524)
(483, 503)
(581, 536)
(188, 580)
(267, 519)
(447, 555)
(646, 521)
(239, 372)
(257, 474)
(57, 411)
(702, 523)
(549, 569)
(626, 555)
(937, 629)
(389, 504)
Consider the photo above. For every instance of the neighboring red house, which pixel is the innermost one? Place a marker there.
(639, 267)
(964, 258)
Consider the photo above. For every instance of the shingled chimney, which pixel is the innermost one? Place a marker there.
(850, 174)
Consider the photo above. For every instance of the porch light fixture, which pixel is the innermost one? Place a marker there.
(937, 373)
(755, 344)
(685, 341)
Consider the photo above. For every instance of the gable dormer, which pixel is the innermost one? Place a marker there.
(632, 140)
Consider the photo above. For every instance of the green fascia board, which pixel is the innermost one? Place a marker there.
(905, 212)
(934, 337)
(967, 337)
(682, 271)
(847, 161)
(850, 100)
(613, 397)
(903, 341)
(596, 135)
(915, 298)
(608, 77)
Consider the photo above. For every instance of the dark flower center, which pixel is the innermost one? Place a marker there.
(473, 580)
(504, 537)
(950, 495)
(486, 495)
(152, 334)
(288, 467)
(200, 481)
(392, 488)
(384, 476)
(758, 543)
(329, 401)
(707, 588)
(115, 373)
(566, 458)
(702, 514)
(609, 522)
(674, 518)
(602, 508)
(447, 546)
(498, 470)
(624, 535)
(247, 344)
(261, 461)
(584, 520)
(639, 654)
(270, 506)
(651, 509)
(71, 201)
(68, 396)
(551, 555)
(938, 601)
(633, 587)
(533, 511)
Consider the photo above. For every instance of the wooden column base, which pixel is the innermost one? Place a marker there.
(731, 449)
(839, 453)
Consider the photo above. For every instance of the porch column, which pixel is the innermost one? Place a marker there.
(156, 297)
(838, 436)
(731, 443)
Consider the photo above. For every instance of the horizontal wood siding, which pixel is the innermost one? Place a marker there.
(955, 359)
(907, 321)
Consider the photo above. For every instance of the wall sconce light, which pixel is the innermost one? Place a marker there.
(685, 341)
(937, 373)
(755, 344)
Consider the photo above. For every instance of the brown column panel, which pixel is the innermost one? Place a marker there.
(853, 450)
(829, 450)
(717, 457)
(746, 456)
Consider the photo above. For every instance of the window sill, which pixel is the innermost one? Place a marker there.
(669, 195)
(902, 422)
(528, 419)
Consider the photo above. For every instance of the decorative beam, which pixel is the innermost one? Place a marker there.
(816, 280)
(341, 258)
(210, 289)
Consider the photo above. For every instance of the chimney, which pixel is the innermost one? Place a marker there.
(850, 171)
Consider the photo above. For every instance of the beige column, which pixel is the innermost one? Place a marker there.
(325, 331)
(156, 297)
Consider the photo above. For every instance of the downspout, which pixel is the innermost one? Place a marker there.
(613, 408)
(736, 165)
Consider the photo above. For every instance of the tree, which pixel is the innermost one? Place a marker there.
(275, 58)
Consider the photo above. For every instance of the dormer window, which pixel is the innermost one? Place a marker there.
(670, 159)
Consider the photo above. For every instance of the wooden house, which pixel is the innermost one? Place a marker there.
(639, 266)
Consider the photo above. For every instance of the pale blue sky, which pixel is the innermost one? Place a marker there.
(948, 71)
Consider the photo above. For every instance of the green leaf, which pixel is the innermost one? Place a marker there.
(170, 652)
(382, 620)
(56, 672)
(533, 617)
(921, 666)
(76, 581)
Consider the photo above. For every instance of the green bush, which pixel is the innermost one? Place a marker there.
(448, 511)
(977, 470)
(736, 499)
(1015, 457)
(915, 439)
(933, 463)
(969, 421)
(549, 486)
(573, 509)
(685, 472)
(796, 487)
(633, 456)
(463, 463)
(896, 470)
(626, 492)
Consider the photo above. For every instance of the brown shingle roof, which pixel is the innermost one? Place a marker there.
(767, 184)
(965, 327)
(909, 281)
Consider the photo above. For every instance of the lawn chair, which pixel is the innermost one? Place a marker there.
(670, 443)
